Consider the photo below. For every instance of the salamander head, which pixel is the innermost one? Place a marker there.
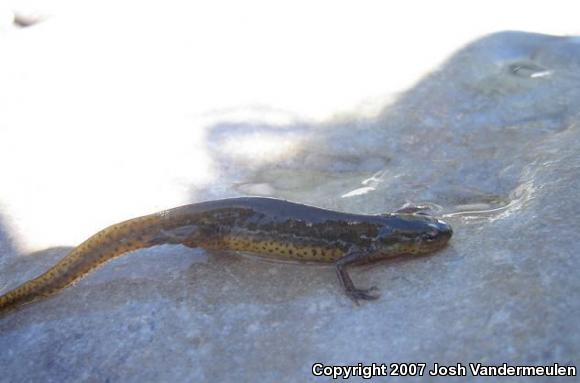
(412, 234)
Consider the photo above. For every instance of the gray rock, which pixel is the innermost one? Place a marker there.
(491, 141)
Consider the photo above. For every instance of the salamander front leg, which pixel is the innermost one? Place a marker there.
(351, 291)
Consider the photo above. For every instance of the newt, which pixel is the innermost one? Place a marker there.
(267, 227)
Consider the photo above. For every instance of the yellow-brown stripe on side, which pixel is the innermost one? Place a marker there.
(283, 250)
(94, 252)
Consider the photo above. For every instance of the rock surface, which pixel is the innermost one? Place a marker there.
(491, 140)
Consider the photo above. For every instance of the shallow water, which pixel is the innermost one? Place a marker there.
(468, 138)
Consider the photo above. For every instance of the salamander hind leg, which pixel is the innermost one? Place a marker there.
(354, 293)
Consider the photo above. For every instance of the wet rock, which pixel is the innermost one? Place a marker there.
(490, 141)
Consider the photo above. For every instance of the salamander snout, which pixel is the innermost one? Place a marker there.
(414, 234)
(435, 235)
(443, 230)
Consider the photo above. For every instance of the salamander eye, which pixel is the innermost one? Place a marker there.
(428, 237)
